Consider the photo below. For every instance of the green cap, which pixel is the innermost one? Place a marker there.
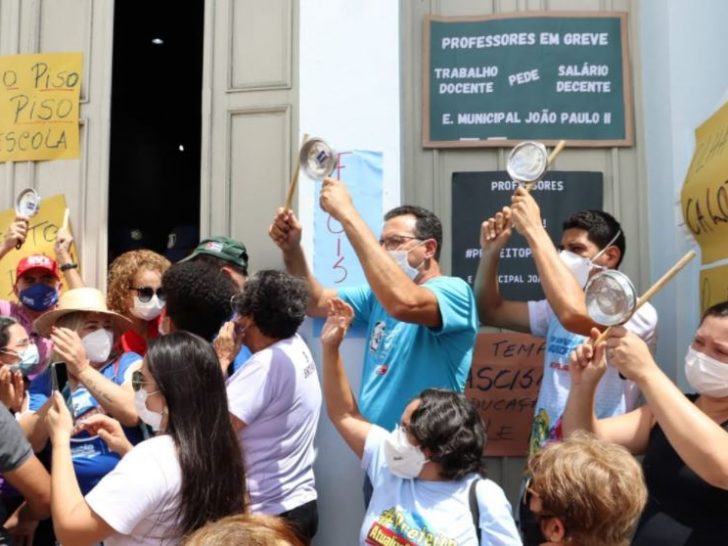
(222, 248)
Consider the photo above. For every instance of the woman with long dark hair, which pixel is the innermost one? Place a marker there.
(166, 487)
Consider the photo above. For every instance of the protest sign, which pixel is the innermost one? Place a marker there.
(713, 286)
(41, 237)
(39, 106)
(503, 384)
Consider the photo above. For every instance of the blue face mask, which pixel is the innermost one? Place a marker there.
(29, 359)
(39, 297)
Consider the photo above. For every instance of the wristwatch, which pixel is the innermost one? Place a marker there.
(69, 265)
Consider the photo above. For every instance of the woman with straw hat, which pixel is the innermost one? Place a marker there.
(84, 331)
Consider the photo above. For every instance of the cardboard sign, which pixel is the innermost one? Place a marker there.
(503, 384)
(41, 237)
(39, 106)
(713, 286)
(704, 196)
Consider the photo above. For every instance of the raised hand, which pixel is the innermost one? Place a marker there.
(526, 214)
(587, 364)
(285, 230)
(15, 234)
(58, 420)
(12, 388)
(227, 344)
(337, 323)
(70, 349)
(628, 353)
(335, 199)
(496, 231)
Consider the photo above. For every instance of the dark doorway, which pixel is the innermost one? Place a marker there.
(156, 105)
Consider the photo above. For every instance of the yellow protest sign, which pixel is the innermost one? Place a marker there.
(713, 286)
(704, 196)
(39, 106)
(42, 233)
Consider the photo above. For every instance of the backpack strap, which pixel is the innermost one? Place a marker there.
(474, 508)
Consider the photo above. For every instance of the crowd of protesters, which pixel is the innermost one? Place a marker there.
(182, 406)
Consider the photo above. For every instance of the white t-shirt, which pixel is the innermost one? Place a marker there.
(277, 394)
(614, 395)
(139, 498)
(421, 512)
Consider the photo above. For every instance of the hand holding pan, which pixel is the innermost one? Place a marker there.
(27, 204)
(316, 158)
(611, 297)
(529, 161)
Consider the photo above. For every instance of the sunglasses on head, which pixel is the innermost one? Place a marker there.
(145, 293)
(137, 380)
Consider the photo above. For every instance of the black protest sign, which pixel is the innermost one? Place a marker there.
(495, 80)
(476, 196)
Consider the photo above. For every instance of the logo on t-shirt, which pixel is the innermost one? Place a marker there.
(377, 335)
(395, 527)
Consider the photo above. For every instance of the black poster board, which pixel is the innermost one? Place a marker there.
(496, 80)
(476, 196)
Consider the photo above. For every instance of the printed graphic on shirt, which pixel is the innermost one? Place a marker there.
(542, 433)
(395, 527)
(377, 335)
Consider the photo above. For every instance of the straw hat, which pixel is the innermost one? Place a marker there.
(80, 299)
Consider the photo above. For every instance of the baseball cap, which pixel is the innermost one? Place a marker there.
(222, 248)
(37, 261)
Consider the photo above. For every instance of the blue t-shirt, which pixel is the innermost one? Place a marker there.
(240, 359)
(92, 459)
(402, 359)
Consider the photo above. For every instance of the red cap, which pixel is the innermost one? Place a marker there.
(37, 261)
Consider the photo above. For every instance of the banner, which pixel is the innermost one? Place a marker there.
(335, 264)
(39, 106)
(503, 384)
(41, 237)
(704, 196)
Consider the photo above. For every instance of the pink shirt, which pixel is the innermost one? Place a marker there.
(45, 345)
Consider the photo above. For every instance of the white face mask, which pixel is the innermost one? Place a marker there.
(705, 374)
(400, 258)
(149, 417)
(580, 266)
(27, 359)
(403, 459)
(148, 310)
(98, 344)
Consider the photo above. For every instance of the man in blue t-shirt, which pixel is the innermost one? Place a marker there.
(421, 325)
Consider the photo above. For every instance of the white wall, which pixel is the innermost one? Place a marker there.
(349, 95)
(684, 80)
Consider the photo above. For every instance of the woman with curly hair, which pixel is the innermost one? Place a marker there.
(135, 291)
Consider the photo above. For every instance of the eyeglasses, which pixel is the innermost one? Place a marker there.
(396, 241)
(145, 293)
(137, 380)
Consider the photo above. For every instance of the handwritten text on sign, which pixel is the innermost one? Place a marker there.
(704, 197)
(39, 106)
(41, 238)
(335, 263)
(503, 384)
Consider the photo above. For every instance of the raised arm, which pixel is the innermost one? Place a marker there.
(401, 297)
(493, 309)
(699, 441)
(14, 234)
(586, 367)
(62, 249)
(286, 233)
(561, 288)
(73, 520)
(340, 402)
(117, 400)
